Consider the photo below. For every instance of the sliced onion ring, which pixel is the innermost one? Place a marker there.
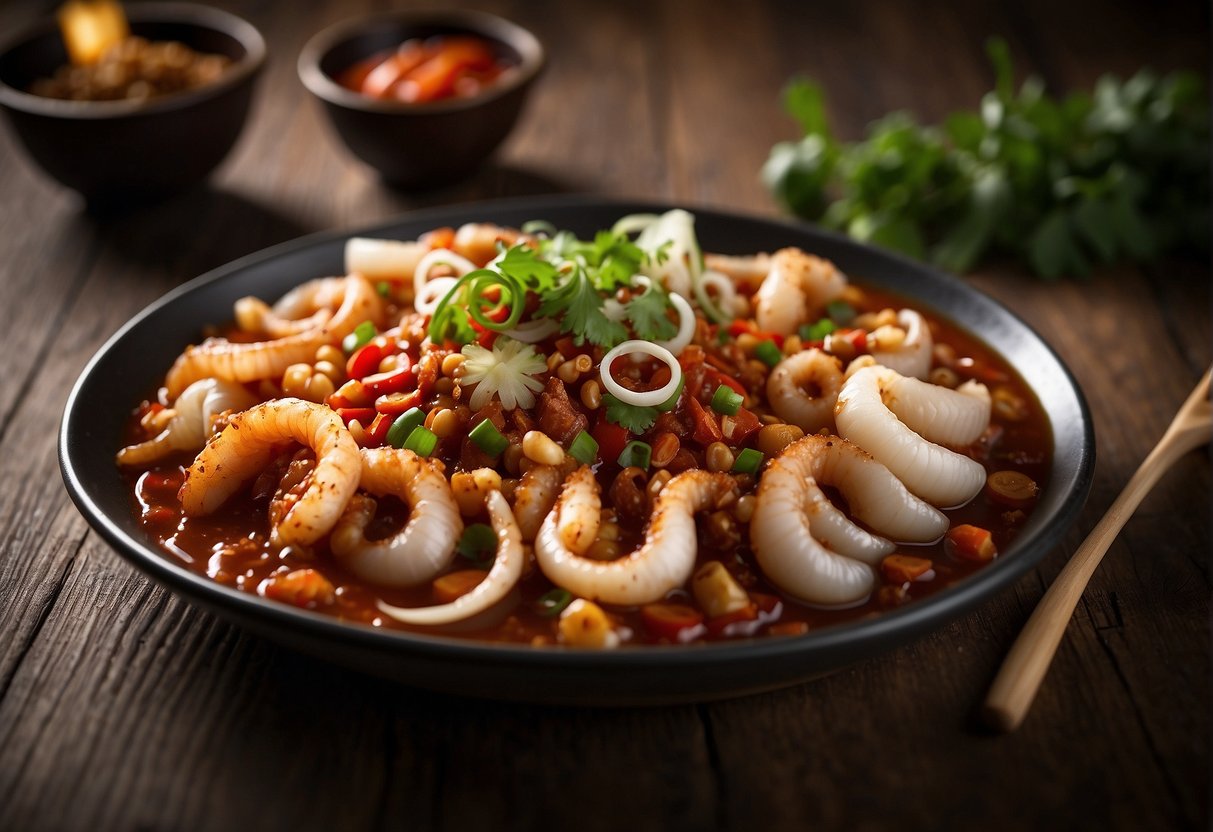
(641, 398)
(432, 293)
(506, 570)
(439, 256)
(686, 325)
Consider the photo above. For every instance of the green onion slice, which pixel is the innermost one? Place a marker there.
(768, 353)
(584, 449)
(488, 438)
(636, 453)
(726, 400)
(478, 543)
(552, 603)
(817, 331)
(748, 461)
(672, 401)
(422, 441)
(468, 296)
(404, 425)
(361, 335)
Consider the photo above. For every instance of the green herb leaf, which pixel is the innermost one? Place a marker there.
(647, 314)
(630, 417)
(579, 306)
(1121, 172)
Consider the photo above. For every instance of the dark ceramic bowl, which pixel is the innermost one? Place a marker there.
(133, 151)
(133, 363)
(420, 145)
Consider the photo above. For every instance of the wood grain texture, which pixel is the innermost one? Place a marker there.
(122, 707)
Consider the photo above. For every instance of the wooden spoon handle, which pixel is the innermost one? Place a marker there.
(1024, 668)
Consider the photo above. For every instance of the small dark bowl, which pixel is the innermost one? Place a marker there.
(420, 145)
(118, 152)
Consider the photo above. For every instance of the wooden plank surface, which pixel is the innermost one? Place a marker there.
(122, 707)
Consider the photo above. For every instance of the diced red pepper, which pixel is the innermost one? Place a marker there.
(611, 439)
(739, 426)
(675, 622)
(376, 434)
(706, 429)
(971, 542)
(393, 404)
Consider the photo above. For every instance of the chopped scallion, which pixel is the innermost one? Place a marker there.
(552, 603)
(637, 454)
(404, 425)
(478, 543)
(361, 335)
(422, 441)
(768, 353)
(748, 461)
(584, 449)
(488, 438)
(726, 400)
(383, 288)
(817, 331)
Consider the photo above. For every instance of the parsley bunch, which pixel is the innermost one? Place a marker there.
(1121, 173)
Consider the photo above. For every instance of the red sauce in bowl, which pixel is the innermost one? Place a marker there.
(421, 71)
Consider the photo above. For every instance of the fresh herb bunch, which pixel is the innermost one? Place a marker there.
(572, 280)
(1121, 173)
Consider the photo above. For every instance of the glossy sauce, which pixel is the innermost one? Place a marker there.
(231, 546)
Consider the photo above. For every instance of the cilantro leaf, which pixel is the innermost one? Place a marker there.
(647, 314)
(630, 417)
(525, 265)
(579, 306)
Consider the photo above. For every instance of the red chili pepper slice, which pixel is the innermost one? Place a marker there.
(743, 423)
(393, 381)
(376, 434)
(364, 360)
(393, 404)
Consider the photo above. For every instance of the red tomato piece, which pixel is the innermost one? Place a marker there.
(706, 428)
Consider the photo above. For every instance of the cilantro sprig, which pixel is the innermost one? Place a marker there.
(571, 279)
(1059, 184)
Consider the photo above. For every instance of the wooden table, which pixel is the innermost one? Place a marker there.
(122, 707)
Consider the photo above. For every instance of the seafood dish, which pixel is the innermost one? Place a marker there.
(517, 435)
